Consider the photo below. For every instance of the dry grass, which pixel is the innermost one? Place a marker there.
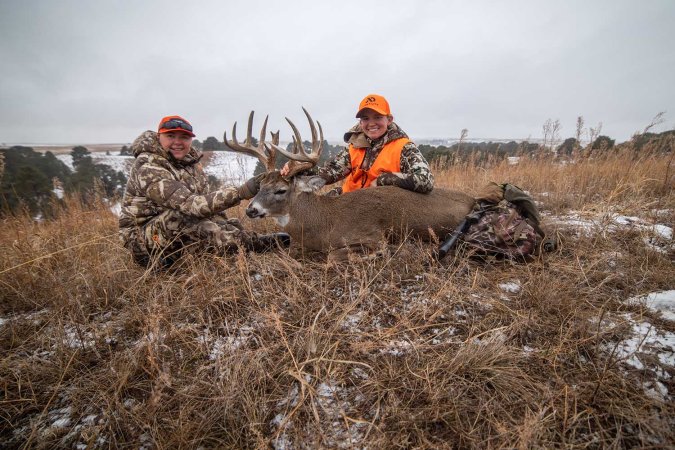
(259, 350)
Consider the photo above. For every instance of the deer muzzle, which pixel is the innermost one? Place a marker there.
(254, 211)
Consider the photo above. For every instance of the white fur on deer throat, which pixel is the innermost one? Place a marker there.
(283, 220)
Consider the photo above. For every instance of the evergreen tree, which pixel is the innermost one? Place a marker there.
(27, 178)
(212, 144)
(88, 175)
(568, 146)
(602, 143)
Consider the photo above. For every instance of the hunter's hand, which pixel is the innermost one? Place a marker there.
(284, 170)
(388, 179)
(249, 189)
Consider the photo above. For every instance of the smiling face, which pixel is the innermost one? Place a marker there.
(176, 142)
(374, 124)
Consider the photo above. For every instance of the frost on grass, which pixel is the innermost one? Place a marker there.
(331, 403)
(648, 350)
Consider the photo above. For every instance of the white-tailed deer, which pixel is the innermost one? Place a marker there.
(355, 220)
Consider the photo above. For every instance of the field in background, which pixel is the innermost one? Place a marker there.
(58, 149)
(402, 351)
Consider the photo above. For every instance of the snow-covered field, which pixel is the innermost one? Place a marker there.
(231, 168)
(115, 161)
(228, 167)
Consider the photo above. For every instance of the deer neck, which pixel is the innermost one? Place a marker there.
(309, 212)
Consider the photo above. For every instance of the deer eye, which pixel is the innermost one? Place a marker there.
(280, 192)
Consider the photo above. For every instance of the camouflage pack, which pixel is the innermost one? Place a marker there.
(504, 226)
(500, 230)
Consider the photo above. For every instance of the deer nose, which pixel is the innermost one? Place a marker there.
(252, 211)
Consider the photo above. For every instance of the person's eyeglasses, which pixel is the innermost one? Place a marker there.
(175, 123)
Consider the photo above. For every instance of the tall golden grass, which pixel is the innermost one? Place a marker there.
(260, 350)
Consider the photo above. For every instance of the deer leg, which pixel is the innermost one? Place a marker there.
(364, 250)
(338, 256)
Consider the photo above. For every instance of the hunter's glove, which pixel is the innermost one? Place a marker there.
(249, 189)
(388, 179)
(395, 179)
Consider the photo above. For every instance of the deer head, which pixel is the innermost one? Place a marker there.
(275, 190)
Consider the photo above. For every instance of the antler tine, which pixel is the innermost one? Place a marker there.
(300, 160)
(249, 129)
(299, 153)
(316, 147)
(260, 152)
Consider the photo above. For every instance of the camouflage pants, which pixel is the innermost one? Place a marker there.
(170, 233)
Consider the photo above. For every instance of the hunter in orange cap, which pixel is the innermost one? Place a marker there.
(169, 206)
(174, 123)
(375, 102)
(379, 153)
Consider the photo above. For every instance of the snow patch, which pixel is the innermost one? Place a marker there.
(663, 301)
(512, 287)
(657, 237)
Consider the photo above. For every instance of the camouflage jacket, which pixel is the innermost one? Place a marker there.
(158, 182)
(415, 173)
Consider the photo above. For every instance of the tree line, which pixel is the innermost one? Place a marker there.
(35, 181)
(482, 152)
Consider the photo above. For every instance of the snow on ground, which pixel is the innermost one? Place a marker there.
(648, 350)
(658, 237)
(512, 287)
(232, 168)
(220, 346)
(332, 403)
(663, 301)
(115, 161)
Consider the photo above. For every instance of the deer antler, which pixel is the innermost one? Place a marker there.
(299, 159)
(266, 156)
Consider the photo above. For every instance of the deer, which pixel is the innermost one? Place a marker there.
(337, 225)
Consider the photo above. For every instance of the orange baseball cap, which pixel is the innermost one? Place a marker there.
(375, 102)
(174, 123)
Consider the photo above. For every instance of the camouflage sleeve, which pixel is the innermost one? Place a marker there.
(416, 171)
(336, 169)
(157, 185)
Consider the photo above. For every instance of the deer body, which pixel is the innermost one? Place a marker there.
(362, 218)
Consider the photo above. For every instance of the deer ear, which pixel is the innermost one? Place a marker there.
(309, 183)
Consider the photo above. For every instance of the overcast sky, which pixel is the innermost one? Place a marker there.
(78, 72)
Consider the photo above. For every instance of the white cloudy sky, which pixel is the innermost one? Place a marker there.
(103, 71)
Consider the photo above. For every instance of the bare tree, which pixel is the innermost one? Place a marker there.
(551, 129)
(593, 133)
(462, 137)
(657, 120)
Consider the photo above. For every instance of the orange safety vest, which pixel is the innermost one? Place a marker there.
(389, 160)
